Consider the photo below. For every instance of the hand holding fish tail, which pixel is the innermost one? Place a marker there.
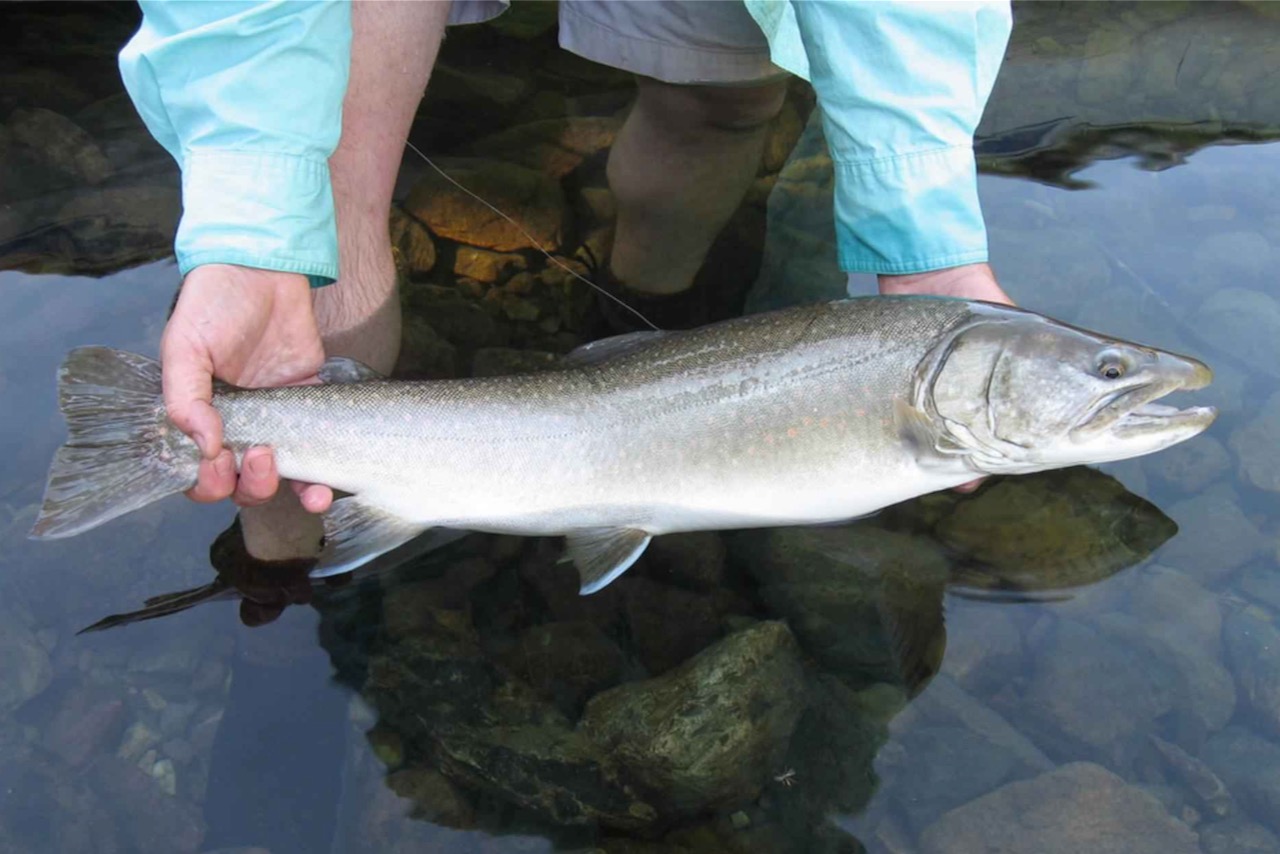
(250, 328)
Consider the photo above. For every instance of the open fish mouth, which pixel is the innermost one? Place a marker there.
(1161, 418)
(1133, 412)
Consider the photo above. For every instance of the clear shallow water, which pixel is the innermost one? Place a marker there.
(450, 704)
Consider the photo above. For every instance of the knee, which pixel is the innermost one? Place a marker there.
(731, 109)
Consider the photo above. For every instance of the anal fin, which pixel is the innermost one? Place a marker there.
(602, 554)
(355, 533)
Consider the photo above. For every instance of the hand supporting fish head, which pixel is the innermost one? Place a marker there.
(1013, 392)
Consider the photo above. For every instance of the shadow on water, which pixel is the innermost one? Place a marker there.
(1051, 657)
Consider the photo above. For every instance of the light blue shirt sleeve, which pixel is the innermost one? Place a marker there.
(247, 97)
(901, 87)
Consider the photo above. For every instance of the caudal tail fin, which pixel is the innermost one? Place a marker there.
(121, 454)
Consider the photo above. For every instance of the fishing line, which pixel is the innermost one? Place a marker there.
(598, 289)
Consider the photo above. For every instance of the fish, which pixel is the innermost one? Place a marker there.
(807, 415)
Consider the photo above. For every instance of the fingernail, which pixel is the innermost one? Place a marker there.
(201, 442)
(260, 464)
(224, 465)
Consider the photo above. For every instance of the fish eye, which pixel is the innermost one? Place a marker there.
(1111, 369)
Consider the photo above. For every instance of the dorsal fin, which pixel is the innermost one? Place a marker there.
(596, 352)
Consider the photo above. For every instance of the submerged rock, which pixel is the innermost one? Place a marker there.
(87, 720)
(150, 819)
(1094, 696)
(864, 601)
(1215, 536)
(412, 242)
(1243, 323)
(1250, 766)
(713, 731)
(61, 143)
(1197, 776)
(1237, 836)
(1257, 445)
(1191, 466)
(1056, 529)
(1252, 642)
(1079, 807)
(566, 662)
(25, 670)
(554, 147)
(530, 198)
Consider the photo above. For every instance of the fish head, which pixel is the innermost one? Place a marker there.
(1016, 392)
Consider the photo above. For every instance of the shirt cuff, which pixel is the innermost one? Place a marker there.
(909, 213)
(268, 211)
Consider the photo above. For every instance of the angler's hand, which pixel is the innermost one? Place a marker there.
(247, 327)
(970, 281)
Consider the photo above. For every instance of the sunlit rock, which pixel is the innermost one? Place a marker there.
(530, 198)
(554, 147)
(1078, 807)
(412, 243)
(485, 266)
(713, 731)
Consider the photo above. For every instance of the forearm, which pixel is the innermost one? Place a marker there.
(901, 88)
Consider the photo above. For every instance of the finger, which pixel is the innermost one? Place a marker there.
(971, 486)
(258, 478)
(315, 498)
(187, 382)
(216, 479)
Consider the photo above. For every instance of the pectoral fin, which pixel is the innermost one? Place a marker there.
(602, 554)
(355, 533)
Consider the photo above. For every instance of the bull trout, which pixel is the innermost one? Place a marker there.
(807, 415)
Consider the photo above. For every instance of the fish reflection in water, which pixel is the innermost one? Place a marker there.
(458, 680)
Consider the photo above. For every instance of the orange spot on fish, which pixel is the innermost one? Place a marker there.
(807, 421)
(861, 413)
(824, 422)
(768, 438)
(792, 432)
